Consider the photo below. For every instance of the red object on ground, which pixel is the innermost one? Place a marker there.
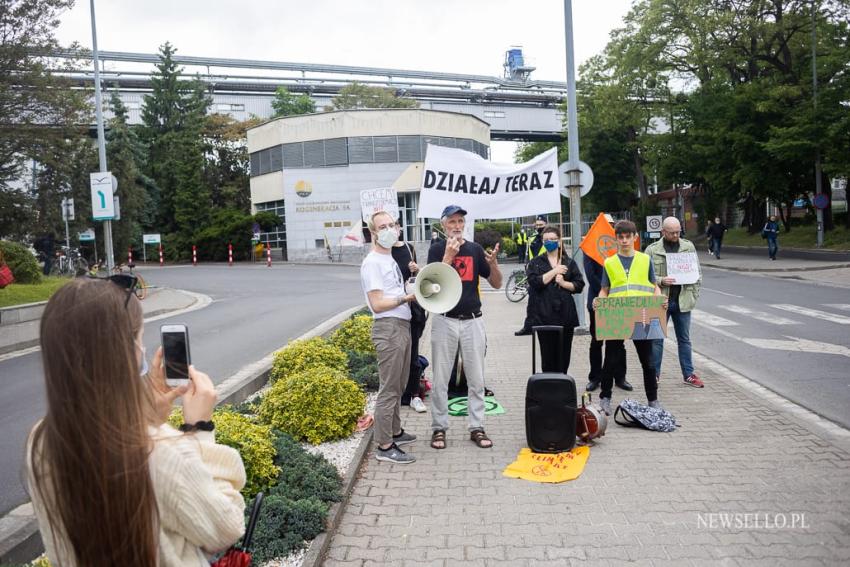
(268, 255)
(194, 255)
(161, 256)
(229, 254)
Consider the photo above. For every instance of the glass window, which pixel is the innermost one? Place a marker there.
(293, 155)
(336, 151)
(360, 150)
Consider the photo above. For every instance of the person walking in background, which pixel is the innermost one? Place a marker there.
(552, 280)
(681, 298)
(383, 287)
(771, 233)
(521, 240)
(614, 351)
(715, 233)
(111, 482)
(46, 246)
(708, 236)
(405, 257)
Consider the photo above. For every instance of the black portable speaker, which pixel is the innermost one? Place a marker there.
(550, 405)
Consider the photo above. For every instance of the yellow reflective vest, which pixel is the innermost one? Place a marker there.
(521, 238)
(634, 282)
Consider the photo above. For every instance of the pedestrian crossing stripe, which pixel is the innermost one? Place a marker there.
(832, 318)
(842, 306)
(760, 315)
(712, 320)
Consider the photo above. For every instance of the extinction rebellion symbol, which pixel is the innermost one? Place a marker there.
(606, 245)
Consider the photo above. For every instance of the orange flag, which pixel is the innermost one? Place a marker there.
(599, 242)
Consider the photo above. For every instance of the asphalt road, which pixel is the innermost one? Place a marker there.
(255, 310)
(790, 336)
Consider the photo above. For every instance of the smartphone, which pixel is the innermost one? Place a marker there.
(175, 351)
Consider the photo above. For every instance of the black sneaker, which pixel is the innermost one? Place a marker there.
(624, 385)
(395, 455)
(592, 385)
(522, 332)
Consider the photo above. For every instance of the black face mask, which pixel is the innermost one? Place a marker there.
(540, 230)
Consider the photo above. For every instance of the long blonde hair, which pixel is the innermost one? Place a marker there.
(91, 450)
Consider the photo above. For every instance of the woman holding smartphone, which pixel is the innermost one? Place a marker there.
(553, 278)
(110, 481)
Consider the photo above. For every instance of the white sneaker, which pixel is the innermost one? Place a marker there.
(418, 405)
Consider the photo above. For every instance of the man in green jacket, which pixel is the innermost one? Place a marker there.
(682, 297)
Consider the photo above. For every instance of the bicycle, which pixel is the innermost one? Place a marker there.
(69, 262)
(517, 287)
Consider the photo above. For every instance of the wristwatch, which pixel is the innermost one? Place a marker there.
(197, 426)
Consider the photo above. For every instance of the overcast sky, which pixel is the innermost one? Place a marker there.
(460, 36)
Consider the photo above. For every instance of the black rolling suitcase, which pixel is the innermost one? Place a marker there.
(550, 404)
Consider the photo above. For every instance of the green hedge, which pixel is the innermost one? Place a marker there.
(299, 356)
(21, 261)
(363, 369)
(355, 334)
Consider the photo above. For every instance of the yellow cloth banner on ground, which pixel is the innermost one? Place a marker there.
(546, 467)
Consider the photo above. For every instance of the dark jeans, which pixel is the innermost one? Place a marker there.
(772, 247)
(48, 263)
(644, 352)
(615, 351)
(716, 244)
(552, 353)
(412, 388)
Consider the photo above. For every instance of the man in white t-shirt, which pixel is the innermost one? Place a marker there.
(384, 289)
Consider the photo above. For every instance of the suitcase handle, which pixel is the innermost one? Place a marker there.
(546, 329)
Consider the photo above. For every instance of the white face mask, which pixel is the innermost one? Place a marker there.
(143, 366)
(387, 237)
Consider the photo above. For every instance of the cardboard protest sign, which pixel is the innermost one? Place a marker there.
(488, 190)
(631, 318)
(683, 266)
(374, 200)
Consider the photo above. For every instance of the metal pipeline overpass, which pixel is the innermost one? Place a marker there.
(517, 110)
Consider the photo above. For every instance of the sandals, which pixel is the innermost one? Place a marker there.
(480, 438)
(438, 439)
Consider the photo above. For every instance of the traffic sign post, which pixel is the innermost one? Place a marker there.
(653, 223)
(67, 214)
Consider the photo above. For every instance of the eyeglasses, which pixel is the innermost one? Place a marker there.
(125, 281)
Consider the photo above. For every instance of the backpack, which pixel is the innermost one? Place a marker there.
(636, 414)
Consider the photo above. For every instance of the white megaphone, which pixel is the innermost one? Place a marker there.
(437, 287)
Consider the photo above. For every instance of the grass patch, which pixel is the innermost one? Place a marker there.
(18, 294)
(799, 237)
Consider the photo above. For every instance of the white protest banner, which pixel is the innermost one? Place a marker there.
(684, 267)
(488, 190)
(374, 200)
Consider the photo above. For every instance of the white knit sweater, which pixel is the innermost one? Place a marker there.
(197, 484)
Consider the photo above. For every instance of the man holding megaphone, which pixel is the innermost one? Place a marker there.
(383, 286)
(460, 327)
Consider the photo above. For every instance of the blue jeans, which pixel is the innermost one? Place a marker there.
(772, 247)
(716, 243)
(682, 324)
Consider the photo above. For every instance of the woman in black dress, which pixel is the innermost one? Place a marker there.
(553, 278)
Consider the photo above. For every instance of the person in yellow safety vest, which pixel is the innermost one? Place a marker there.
(521, 240)
(629, 273)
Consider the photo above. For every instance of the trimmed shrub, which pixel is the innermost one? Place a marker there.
(23, 264)
(355, 334)
(487, 238)
(319, 404)
(303, 474)
(299, 356)
(363, 369)
(284, 524)
(508, 245)
(253, 441)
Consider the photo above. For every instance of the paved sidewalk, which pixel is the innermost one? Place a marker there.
(644, 497)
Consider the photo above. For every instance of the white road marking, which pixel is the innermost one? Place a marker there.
(840, 319)
(760, 315)
(703, 288)
(799, 345)
(842, 306)
(714, 328)
(712, 320)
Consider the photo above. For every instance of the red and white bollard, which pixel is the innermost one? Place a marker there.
(194, 255)
(130, 256)
(268, 255)
(229, 254)
(161, 257)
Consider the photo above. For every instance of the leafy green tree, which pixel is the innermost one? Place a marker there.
(357, 95)
(227, 170)
(37, 109)
(285, 103)
(174, 116)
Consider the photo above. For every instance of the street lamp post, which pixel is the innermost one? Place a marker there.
(101, 140)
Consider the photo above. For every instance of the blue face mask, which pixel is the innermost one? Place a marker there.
(550, 245)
